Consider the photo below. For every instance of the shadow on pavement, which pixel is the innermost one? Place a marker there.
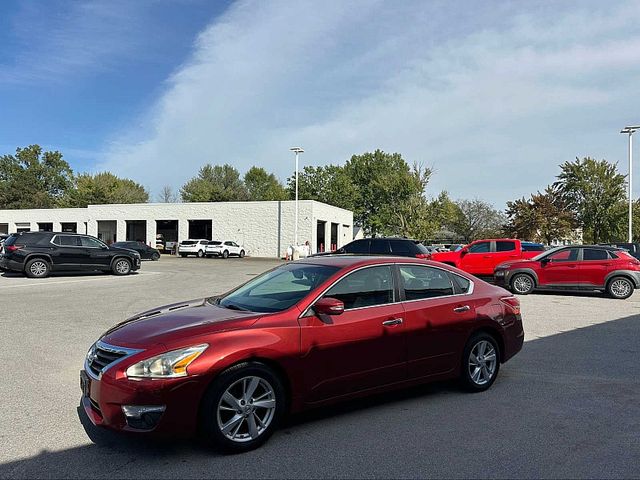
(566, 406)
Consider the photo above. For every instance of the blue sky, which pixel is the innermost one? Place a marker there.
(491, 95)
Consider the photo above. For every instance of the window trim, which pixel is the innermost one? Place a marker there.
(52, 241)
(469, 292)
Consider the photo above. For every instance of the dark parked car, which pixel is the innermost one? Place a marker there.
(36, 254)
(402, 247)
(304, 334)
(146, 252)
(581, 267)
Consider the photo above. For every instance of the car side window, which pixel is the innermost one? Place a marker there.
(568, 255)
(480, 247)
(380, 246)
(365, 288)
(463, 284)
(359, 246)
(228, 244)
(68, 241)
(425, 282)
(594, 254)
(505, 246)
(400, 247)
(90, 242)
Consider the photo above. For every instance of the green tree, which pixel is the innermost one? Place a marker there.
(445, 214)
(33, 179)
(594, 190)
(478, 219)
(219, 183)
(103, 188)
(262, 185)
(328, 184)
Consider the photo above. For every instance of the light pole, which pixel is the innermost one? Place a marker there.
(629, 131)
(297, 151)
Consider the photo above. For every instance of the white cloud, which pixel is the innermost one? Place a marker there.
(494, 101)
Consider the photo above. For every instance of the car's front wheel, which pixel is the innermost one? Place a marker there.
(200, 254)
(183, 255)
(522, 284)
(225, 254)
(121, 266)
(241, 253)
(37, 268)
(242, 407)
(480, 362)
(620, 288)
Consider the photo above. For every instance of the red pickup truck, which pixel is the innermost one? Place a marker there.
(482, 256)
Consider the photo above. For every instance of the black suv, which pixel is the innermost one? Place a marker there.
(36, 254)
(402, 247)
(146, 252)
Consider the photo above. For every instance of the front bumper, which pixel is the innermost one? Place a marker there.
(165, 407)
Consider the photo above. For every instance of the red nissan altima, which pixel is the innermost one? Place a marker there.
(301, 335)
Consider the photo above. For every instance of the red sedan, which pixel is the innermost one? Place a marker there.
(301, 335)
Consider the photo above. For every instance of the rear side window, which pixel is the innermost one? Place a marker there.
(463, 284)
(359, 246)
(425, 282)
(380, 246)
(421, 248)
(11, 240)
(594, 254)
(400, 247)
(505, 246)
(68, 241)
(187, 242)
(364, 288)
(532, 247)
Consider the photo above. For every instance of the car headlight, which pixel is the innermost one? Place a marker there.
(167, 365)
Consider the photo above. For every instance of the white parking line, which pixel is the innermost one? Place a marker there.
(40, 283)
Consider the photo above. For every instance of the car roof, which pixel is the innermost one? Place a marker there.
(347, 260)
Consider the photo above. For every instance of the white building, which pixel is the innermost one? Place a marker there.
(265, 229)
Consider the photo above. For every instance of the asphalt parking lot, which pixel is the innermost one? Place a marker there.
(567, 406)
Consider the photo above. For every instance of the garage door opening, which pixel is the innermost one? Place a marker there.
(4, 228)
(166, 234)
(69, 227)
(136, 231)
(45, 227)
(200, 229)
(107, 230)
(334, 237)
(320, 240)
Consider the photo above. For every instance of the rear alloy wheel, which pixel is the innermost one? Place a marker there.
(620, 288)
(241, 253)
(522, 284)
(37, 268)
(225, 254)
(200, 254)
(480, 362)
(122, 266)
(183, 255)
(243, 407)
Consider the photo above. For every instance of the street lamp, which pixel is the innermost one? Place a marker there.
(629, 131)
(297, 151)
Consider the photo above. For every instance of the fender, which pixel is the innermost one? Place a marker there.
(529, 271)
(121, 255)
(45, 256)
(632, 275)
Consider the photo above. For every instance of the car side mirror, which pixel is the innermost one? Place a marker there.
(544, 261)
(329, 306)
(104, 247)
(464, 251)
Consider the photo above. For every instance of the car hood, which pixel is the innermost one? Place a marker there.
(171, 322)
(122, 249)
(517, 264)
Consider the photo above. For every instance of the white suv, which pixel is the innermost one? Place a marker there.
(192, 247)
(224, 249)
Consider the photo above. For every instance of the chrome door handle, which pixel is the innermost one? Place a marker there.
(392, 322)
(463, 308)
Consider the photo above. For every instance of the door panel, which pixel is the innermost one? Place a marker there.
(478, 259)
(594, 266)
(563, 268)
(70, 255)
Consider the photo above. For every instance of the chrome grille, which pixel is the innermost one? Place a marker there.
(101, 356)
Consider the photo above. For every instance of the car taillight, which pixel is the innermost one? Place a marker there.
(13, 248)
(512, 304)
(422, 255)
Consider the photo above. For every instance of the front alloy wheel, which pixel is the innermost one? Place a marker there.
(481, 362)
(243, 407)
(522, 284)
(122, 266)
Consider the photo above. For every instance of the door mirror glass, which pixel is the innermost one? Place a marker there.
(464, 251)
(328, 306)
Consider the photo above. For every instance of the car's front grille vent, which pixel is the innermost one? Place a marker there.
(103, 358)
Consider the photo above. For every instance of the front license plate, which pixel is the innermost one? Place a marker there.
(85, 383)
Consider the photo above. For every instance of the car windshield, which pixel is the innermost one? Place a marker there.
(551, 251)
(187, 242)
(277, 289)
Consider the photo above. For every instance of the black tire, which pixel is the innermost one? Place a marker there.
(211, 419)
(200, 254)
(208, 256)
(183, 255)
(121, 266)
(468, 377)
(241, 253)
(155, 257)
(225, 254)
(620, 288)
(522, 284)
(37, 268)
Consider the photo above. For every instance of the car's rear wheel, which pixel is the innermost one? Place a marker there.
(155, 257)
(522, 284)
(37, 268)
(121, 266)
(480, 362)
(241, 253)
(242, 407)
(225, 254)
(620, 288)
(200, 254)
